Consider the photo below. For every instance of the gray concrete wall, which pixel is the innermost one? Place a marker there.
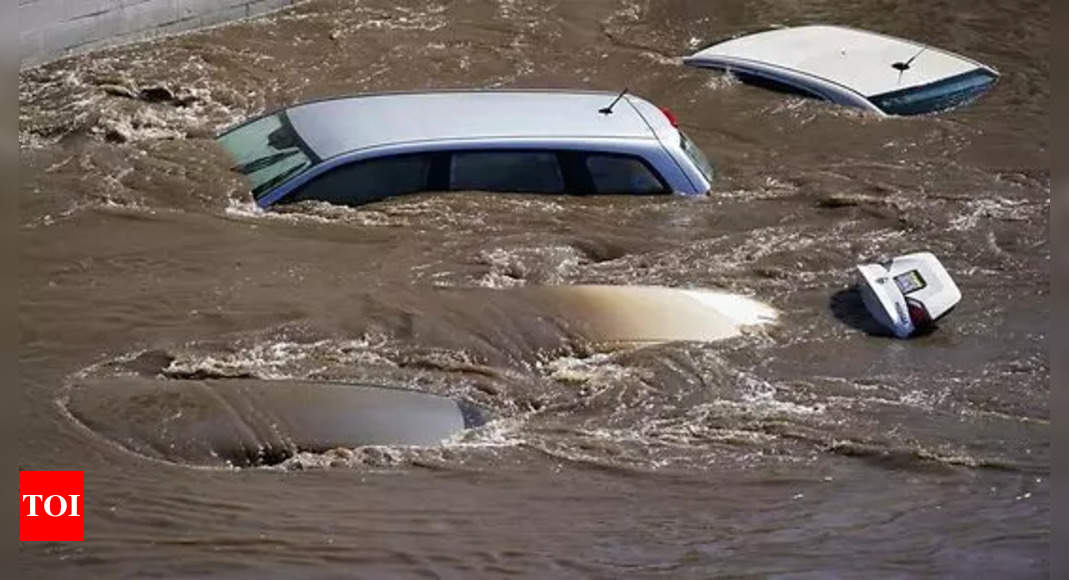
(50, 29)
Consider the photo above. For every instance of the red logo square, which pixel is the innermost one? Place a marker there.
(51, 506)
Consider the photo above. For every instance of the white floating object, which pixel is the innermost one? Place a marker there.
(908, 293)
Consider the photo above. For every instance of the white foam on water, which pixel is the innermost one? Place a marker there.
(279, 360)
(999, 208)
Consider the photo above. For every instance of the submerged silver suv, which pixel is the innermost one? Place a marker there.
(357, 150)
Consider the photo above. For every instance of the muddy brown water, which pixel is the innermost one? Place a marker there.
(810, 448)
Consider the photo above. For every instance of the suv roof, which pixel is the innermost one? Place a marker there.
(336, 126)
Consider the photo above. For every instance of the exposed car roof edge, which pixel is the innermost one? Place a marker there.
(664, 146)
(274, 195)
(763, 68)
(327, 99)
(490, 139)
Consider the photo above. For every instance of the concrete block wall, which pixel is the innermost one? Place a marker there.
(50, 29)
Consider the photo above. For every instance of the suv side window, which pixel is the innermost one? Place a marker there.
(506, 171)
(366, 181)
(622, 174)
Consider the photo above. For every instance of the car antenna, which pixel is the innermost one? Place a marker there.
(902, 67)
(608, 110)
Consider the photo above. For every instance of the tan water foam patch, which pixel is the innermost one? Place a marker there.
(651, 314)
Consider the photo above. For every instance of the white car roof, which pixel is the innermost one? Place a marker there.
(858, 60)
(336, 126)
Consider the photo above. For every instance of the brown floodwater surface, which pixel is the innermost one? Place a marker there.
(808, 445)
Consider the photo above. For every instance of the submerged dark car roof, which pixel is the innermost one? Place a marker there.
(336, 126)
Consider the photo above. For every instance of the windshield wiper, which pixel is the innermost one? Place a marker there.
(258, 164)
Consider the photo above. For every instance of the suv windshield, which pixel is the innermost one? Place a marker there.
(696, 155)
(267, 151)
(937, 96)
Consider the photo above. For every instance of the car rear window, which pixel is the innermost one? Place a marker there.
(937, 96)
(696, 155)
(267, 151)
(506, 171)
(363, 182)
(621, 174)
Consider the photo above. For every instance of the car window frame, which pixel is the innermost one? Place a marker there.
(577, 177)
(589, 187)
(446, 179)
(435, 159)
(264, 190)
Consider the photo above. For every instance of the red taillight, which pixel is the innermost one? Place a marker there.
(918, 314)
(671, 118)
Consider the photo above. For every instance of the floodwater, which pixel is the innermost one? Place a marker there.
(809, 446)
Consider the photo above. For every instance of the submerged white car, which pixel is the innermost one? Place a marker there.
(857, 68)
(361, 149)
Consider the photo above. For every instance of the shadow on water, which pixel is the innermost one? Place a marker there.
(847, 306)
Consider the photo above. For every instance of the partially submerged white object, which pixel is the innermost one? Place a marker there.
(908, 293)
(652, 314)
(883, 74)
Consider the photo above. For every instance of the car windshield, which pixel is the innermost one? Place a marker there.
(696, 155)
(937, 96)
(267, 151)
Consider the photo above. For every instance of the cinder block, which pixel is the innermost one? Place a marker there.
(181, 25)
(30, 46)
(192, 8)
(261, 6)
(79, 8)
(220, 16)
(130, 3)
(75, 33)
(37, 15)
(52, 28)
(148, 15)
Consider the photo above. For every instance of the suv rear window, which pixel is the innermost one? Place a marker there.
(367, 181)
(506, 171)
(622, 174)
(937, 96)
(696, 155)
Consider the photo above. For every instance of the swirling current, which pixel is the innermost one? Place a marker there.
(805, 447)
